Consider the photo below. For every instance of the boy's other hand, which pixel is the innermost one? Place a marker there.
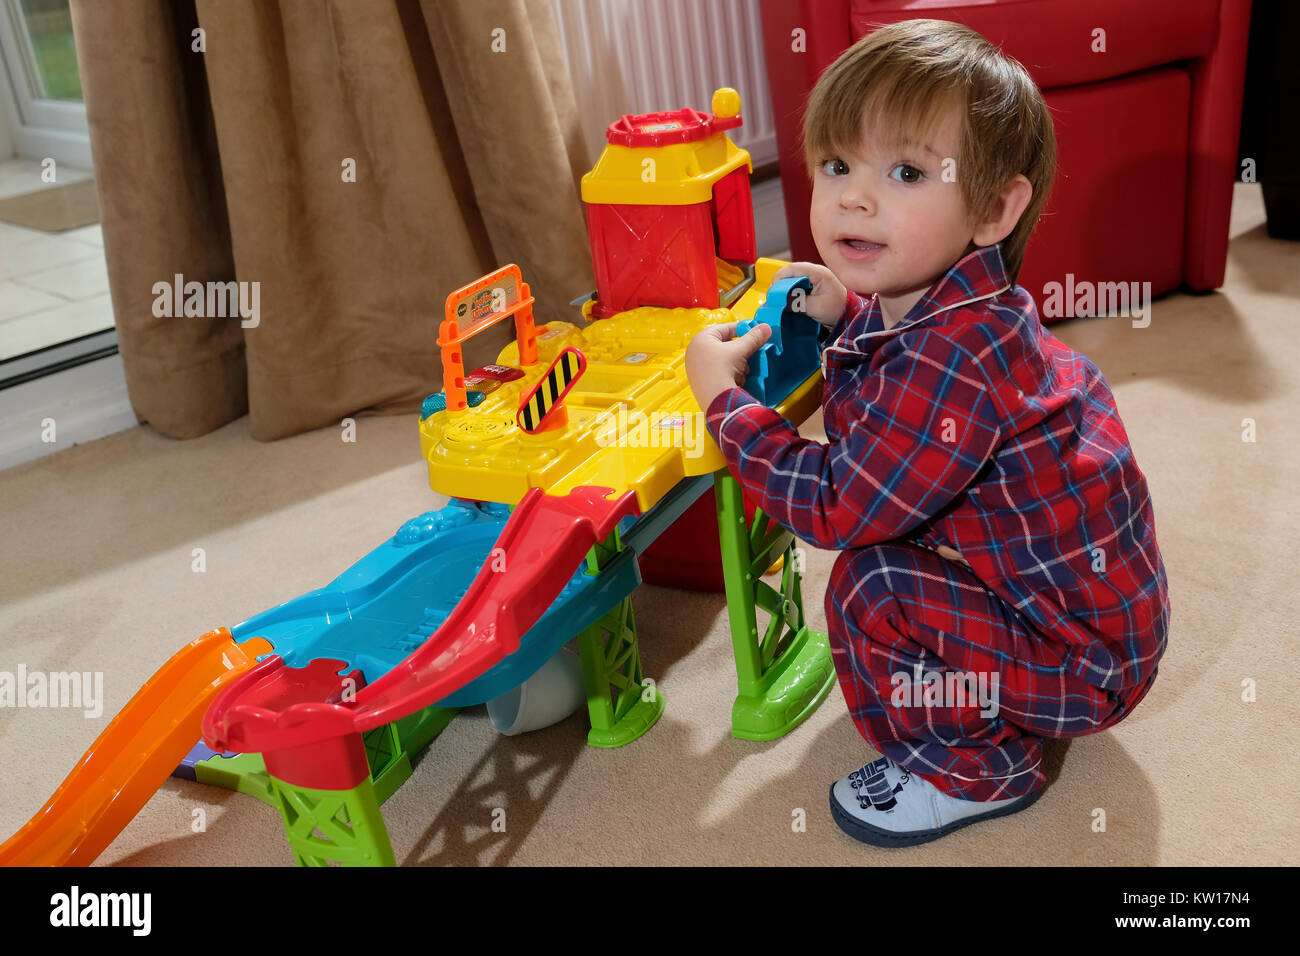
(716, 360)
(825, 303)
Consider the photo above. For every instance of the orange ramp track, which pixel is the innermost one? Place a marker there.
(133, 757)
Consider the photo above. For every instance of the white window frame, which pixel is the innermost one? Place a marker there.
(38, 128)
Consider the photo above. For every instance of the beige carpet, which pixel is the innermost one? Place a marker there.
(96, 575)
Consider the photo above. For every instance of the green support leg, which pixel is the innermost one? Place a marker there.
(391, 748)
(333, 827)
(337, 827)
(621, 710)
(783, 676)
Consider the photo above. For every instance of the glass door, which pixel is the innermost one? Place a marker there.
(42, 64)
(55, 310)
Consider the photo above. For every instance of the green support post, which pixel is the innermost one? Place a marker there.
(621, 710)
(341, 827)
(333, 827)
(391, 748)
(786, 673)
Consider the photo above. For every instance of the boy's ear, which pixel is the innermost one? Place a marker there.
(1005, 212)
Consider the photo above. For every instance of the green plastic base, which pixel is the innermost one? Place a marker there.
(796, 686)
(243, 773)
(643, 715)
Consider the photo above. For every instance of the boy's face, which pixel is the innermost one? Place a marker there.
(884, 219)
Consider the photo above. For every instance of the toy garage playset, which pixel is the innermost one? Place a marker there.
(564, 460)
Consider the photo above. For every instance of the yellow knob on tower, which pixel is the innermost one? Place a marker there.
(726, 102)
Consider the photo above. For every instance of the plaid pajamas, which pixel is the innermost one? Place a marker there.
(967, 426)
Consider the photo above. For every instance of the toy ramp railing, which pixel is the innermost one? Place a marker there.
(307, 741)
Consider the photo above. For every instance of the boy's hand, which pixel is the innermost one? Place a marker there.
(825, 303)
(716, 360)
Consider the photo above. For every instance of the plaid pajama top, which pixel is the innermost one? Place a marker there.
(969, 425)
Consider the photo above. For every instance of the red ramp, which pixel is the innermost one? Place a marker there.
(280, 712)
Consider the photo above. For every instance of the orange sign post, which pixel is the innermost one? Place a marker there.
(478, 306)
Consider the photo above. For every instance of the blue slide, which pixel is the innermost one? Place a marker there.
(377, 612)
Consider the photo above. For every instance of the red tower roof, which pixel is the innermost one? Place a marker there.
(663, 129)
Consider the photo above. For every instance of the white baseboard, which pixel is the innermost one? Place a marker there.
(85, 403)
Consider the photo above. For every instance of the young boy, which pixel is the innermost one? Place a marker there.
(999, 580)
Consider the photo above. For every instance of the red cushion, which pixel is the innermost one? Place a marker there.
(1123, 157)
(1053, 38)
(1115, 214)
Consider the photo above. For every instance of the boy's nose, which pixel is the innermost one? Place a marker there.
(855, 197)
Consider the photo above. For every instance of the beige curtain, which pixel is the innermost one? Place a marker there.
(229, 164)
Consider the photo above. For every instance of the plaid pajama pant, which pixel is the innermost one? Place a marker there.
(904, 622)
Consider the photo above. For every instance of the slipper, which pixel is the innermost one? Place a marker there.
(884, 805)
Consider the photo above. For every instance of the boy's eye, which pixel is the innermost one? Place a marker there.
(835, 167)
(906, 173)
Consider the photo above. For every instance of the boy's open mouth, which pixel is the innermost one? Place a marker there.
(854, 248)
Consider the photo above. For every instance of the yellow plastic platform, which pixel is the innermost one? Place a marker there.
(633, 423)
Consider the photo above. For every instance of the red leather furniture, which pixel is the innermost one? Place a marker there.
(1147, 131)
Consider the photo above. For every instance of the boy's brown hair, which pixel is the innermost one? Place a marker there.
(903, 77)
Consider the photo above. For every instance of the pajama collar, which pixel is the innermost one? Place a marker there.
(978, 276)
